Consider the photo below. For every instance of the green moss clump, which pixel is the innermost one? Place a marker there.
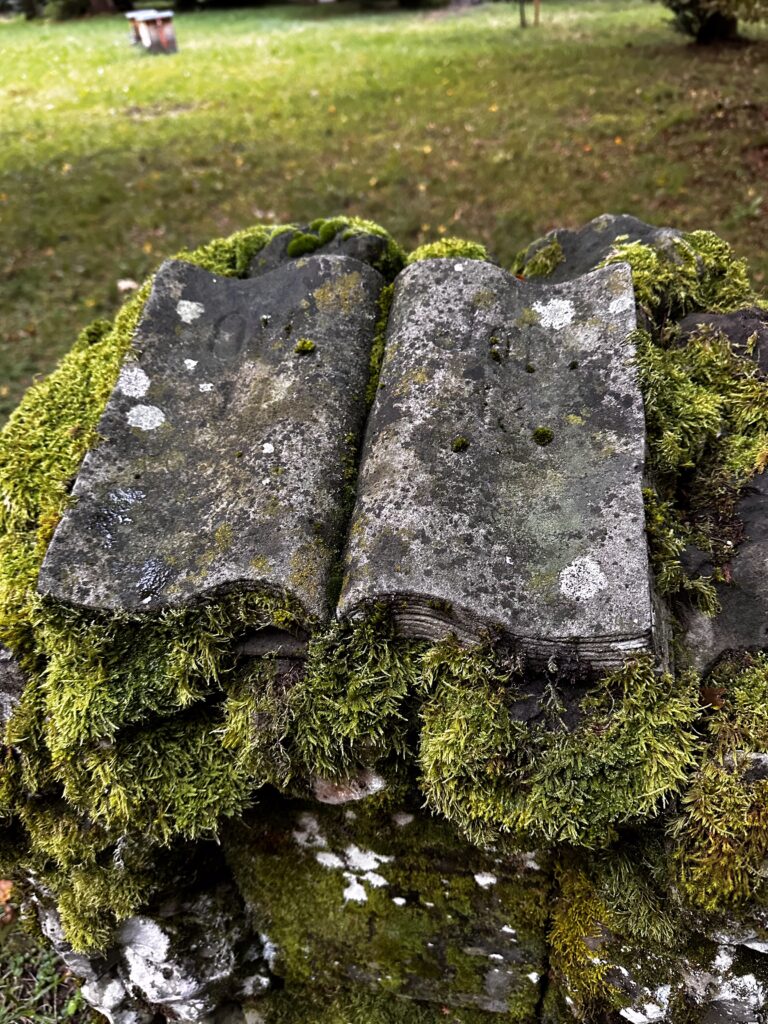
(543, 436)
(541, 263)
(697, 272)
(304, 346)
(494, 774)
(611, 914)
(324, 230)
(459, 444)
(371, 899)
(721, 834)
(448, 248)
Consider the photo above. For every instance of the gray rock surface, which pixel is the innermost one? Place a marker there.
(12, 682)
(742, 624)
(363, 246)
(225, 446)
(187, 958)
(589, 245)
(500, 483)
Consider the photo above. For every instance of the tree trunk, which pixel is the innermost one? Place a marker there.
(523, 22)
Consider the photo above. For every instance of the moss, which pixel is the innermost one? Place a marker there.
(304, 346)
(611, 921)
(496, 774)
(721, 834)
(393, 906)
(543, 436)
(308, 1006)
(699, 272)
(459, 444)
(391, 261)
(339, 295)
(448, 248)
(542, 262)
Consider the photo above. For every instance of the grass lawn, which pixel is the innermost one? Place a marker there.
(428, 122)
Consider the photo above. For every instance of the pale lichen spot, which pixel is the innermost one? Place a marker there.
(133, 381)
(329, 860)
(145, 417)
(582, 579)
(555, 313)
(375, 879)
(205, 387)
(402, 818)
(364, 860)
(189, 311)
(355, 891)
(533, 977)
(485, 880)
(399, 901)
(190, 363)
(268, 448)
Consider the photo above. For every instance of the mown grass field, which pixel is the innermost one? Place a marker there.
(429, 122)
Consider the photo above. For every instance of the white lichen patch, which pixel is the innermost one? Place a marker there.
(555, 314)
(533, 977)
(328, 859)
(189, 311)
(308, 835)
(133, 381)
(355, 891)
(190, 364)
(205, 387)
(364, 860)
(402, 818)
(399, 901)
(375, 879)
(145, 417)
(582, 579)
(485, 880)
(268, 448)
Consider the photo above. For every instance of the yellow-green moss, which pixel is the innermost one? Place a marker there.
(721, 834)
(324, 230)
(448, 248)
(542, 261)
(495, 774)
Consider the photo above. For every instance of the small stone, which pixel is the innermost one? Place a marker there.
(12, 683)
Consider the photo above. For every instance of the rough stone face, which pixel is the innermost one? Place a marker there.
(586, 247)
(12, 682)
(392, 901)
(360, 245)
(226, 442)
(186, 958)
(500, 483)
(742, 623)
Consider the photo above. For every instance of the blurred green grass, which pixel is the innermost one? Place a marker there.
(35, 988)
(430, 122)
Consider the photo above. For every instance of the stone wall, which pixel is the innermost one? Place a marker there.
(433, 594)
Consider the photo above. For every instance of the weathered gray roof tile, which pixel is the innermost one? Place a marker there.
(501, 481)
(226, 442)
